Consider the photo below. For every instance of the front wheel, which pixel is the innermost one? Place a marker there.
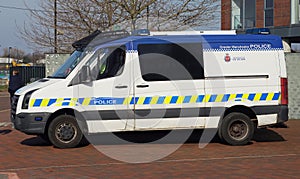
(45, 138)
(236, 129)
(64, 132)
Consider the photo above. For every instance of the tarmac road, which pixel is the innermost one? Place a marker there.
(274, 153)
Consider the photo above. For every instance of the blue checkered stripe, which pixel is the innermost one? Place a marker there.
(239, 49)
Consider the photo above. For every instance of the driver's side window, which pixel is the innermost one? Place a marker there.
(107, 63)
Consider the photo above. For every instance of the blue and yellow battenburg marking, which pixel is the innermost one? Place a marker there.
(154, 100)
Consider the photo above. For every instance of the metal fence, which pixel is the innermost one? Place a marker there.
(30, 74)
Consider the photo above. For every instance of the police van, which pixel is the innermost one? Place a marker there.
(115, 82)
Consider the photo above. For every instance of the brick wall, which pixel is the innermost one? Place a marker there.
(282, 13)
(226, 14)
(260, 15)
(293, 66)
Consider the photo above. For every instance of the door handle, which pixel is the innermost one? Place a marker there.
(121, 87)
(142, 86)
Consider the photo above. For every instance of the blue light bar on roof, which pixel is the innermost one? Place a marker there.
(263, 31)
(141, 32)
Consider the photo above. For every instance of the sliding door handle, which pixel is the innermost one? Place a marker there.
(121, 87)
(142, 86)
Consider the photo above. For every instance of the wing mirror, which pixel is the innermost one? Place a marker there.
(85, 74)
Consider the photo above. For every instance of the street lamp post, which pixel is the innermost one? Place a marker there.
(148, 17)
(9, 48)
(17, 59)
(8, 63)
(55, 26)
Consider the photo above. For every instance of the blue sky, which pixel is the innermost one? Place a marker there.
(9, 19)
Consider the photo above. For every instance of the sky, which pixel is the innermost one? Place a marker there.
(10, 19)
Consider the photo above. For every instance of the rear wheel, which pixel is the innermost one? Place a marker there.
(64, 132)
(236, 129)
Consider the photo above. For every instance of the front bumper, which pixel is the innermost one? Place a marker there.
(32, 124)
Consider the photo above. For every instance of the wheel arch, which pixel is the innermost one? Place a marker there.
(65, 111)
(242, 109)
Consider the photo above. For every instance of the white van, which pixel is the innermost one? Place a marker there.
(159, 82)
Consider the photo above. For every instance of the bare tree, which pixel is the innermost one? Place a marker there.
(78, 18)
(132, 9)
(13, 53)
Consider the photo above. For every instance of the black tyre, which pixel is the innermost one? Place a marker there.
(64, 132)
(236, 129)
(45, 138)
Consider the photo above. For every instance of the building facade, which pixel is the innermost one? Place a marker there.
(282, 17)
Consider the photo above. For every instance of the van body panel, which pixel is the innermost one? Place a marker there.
(234, 70)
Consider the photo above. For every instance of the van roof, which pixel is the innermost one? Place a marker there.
(211, 41)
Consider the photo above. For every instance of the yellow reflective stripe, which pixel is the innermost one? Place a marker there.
(219, 98)
(245, 96)
(127, 100)
(32, 102)
(232, 97)
(44, 102)
(206, 98)
(73, 102)
(168, 99)
(86, 101)
(154, 100)
(257, 97)
(280, 97)
(180, 99)
(194, 99)
(59, 101)
(141, 101)
(270, 96)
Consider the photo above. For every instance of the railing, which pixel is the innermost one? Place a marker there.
(31, 73)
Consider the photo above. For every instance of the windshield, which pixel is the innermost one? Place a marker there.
(64, 70)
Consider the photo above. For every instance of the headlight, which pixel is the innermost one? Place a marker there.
(26, 99)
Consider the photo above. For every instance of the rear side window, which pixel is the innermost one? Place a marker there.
(165, 62)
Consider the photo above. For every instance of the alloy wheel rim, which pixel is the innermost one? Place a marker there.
(65, 132)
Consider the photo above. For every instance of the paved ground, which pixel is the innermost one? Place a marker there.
(4, 108)
(274, 153)
(4, 101)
